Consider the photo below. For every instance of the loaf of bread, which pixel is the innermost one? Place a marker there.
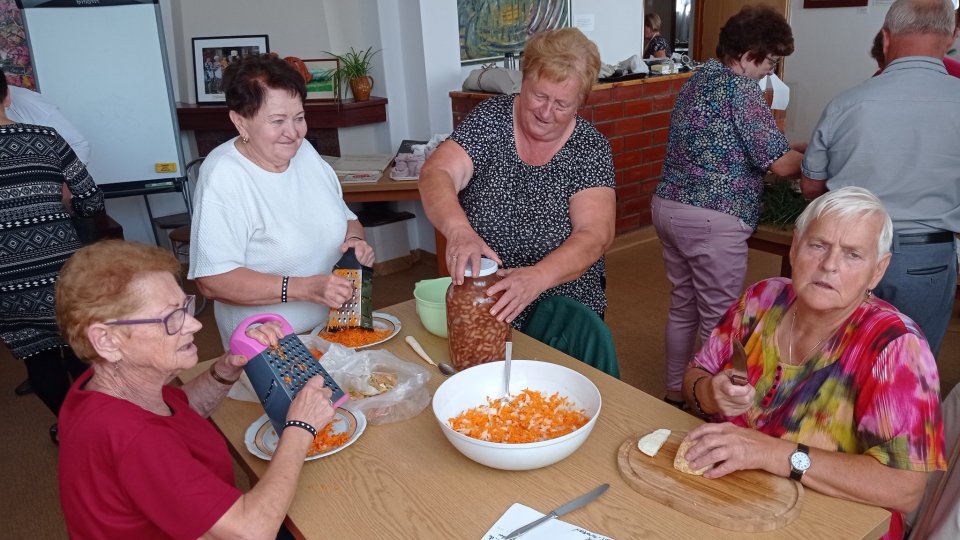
(680, 462)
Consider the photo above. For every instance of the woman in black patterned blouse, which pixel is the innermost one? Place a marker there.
(526, 182)
(656, 44)
(36, 238)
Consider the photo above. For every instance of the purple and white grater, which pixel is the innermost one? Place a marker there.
(278, 373)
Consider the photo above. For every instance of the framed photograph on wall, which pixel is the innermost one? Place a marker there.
(211, 55)
(320, 86)
(492, 28)
(833, 3)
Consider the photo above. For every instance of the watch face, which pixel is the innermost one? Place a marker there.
(800, 461)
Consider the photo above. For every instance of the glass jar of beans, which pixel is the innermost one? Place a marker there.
(473, 334)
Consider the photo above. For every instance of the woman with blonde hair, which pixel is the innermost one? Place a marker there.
(656, 45)
(528, 183)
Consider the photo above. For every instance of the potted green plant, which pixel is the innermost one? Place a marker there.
(354, 69)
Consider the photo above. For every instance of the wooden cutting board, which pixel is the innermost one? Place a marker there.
(750, 501)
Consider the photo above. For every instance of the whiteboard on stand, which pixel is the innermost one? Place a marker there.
(104, 64)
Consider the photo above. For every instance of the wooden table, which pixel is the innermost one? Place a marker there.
(776, 240)
(405, 480)
(387, 189)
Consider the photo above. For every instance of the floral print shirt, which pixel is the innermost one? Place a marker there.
(657, 43)
(723, 138)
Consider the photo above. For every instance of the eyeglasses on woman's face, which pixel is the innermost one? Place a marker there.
(172, 323)
(774, 61)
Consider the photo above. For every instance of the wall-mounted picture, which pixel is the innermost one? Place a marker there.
(491, 28)
(212, 55)
(321, 72)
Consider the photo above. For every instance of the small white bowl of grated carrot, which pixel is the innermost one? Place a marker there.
(551, 412)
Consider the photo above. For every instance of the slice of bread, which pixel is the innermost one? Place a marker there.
(680, 462)
(650, 443)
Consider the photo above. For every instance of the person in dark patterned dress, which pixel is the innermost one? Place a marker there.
(656, 45)
(723, 140)
(528, 183)
(36, 238)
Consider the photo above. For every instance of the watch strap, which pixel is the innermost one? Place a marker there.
(797, 474)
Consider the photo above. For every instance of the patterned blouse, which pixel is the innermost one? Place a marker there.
(723, 138)
(657, 43)
(523, 211)
(36, 234)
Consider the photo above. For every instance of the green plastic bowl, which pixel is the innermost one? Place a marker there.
(431, 297)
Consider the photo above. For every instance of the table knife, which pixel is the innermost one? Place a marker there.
(739, 362)
(559, 511)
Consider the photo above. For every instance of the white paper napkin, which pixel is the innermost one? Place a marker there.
(519, 515)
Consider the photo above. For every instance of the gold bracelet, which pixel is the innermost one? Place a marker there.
(219, 378)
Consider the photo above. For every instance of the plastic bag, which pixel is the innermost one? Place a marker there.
(353, 370)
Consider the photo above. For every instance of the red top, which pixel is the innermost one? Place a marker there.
(953, 66)
(128, 473)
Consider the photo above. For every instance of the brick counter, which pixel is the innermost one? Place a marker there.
(635, 117)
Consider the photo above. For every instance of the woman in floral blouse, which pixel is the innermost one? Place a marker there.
(656, 45)
(723, 140)
(841, 389)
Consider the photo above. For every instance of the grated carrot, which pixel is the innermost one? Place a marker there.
(317, 353)
(355, 337)
(326, 440)
(528, 417)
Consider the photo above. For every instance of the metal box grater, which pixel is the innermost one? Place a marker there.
(278, 374)
(358, 310)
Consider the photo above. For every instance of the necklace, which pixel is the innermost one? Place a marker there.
(793, 324)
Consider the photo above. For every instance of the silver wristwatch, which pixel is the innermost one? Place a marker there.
(799, 462)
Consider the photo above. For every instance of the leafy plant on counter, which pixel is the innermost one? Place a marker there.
(781, 203)
(353, 64)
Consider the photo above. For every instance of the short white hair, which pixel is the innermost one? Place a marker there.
(850, 201)
(921, 16)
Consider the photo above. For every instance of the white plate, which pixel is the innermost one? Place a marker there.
(261, 439)
(381, 321)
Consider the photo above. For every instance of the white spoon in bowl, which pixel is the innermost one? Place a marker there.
(506, 372)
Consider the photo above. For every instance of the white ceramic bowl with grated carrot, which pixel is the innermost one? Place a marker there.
(471, 388)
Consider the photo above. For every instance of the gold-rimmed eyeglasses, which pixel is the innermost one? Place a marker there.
(172, 323)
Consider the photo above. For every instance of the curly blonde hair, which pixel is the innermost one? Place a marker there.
(558, 54)
(95, 286)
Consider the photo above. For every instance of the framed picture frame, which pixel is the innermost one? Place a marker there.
(807, 4)
(493, 28)
(320, 87)
(211, 55)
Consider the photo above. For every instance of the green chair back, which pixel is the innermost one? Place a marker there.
(569, 326)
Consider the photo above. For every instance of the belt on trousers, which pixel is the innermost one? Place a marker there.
(941, 237)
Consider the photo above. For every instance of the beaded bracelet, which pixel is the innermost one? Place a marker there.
(697, 401)
(283, 289)
(302, 425)
(219, 378)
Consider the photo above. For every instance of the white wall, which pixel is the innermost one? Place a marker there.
(832, 54)
(419, 64)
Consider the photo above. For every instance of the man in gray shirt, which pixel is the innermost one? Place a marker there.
(898, 135)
